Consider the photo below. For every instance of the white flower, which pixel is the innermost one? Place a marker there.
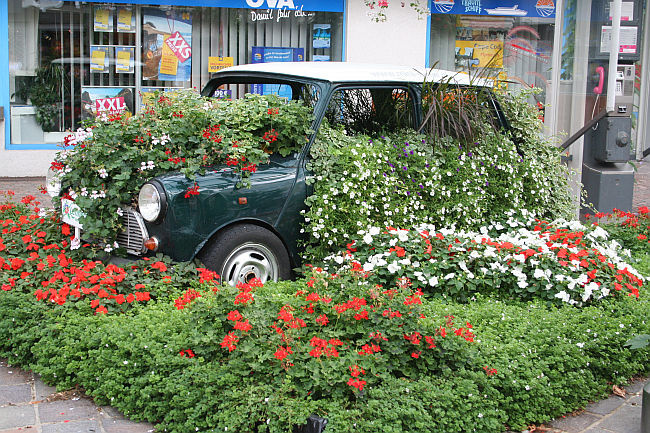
(580, 345)
(564, 296)
(119, 211)
(103, 173)
(433, 281)
(367, 238)
(393, 267)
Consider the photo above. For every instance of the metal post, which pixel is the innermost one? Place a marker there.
(645, 409)
(613, 53)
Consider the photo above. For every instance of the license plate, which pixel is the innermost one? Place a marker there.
(71, 213)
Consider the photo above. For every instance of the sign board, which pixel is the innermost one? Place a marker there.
(218, 63)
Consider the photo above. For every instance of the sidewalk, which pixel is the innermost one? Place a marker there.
(28, 405)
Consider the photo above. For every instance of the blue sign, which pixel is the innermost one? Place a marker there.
(502, 8)
(293, 5)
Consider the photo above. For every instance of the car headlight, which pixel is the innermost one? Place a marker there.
(150, 202)
(53, 183)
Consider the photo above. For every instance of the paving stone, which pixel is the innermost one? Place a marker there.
(58, 411)
(109, 412)
(597, 430)
(603, 407)
(15, 394)
(42, 391)
(84, 426)
(16, 416)
(627, 419)
(124, 426)
(636, 387)
(575, 424)
(14, 376)
(28, 429)
(634, 400)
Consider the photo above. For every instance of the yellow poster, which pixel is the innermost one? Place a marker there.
(480, 54)
(101, 23)
(123, 61)
(97, 60)
(124, 20)
(168, 64)
(218, 63)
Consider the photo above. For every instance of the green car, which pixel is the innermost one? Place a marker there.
(246, 233)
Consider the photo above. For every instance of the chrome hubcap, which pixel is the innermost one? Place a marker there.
(248, 261)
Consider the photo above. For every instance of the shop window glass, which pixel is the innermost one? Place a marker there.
(515, 50)
(70, 60)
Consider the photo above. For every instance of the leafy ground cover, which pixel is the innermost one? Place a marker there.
(193, 356)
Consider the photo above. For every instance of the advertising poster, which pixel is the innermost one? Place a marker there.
(99, 59)
(275, 54)
(110, 100)
(167, 45)
(218, 63)
(103, 20)
(125, 20)
(322, 35)
(124, 60)
(479, 54)
(499, 8)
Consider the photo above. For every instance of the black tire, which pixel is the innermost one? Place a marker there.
(246, 251)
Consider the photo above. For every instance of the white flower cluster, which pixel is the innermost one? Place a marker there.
(162, 140)
(80, 135)
(520, 254)
(149, 165)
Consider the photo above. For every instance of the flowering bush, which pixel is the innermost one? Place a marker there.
(34, 259)
(407, 179)
(557, 262)
(109, 160)
(632, 229)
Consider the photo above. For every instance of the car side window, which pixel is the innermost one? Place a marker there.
(371, 110)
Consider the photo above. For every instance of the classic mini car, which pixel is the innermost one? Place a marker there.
(245, 233)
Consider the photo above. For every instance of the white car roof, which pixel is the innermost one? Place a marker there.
(336, 72)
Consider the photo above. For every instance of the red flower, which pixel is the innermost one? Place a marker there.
(65, 229)
(322, 320)
(234, 316)
(282, 352)
(101, 310)
(229, 341)
(416, 354)
(243, 326)
(357, 383)
(142, 296)
(160, 266)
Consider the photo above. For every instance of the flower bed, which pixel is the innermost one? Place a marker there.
(195, 357)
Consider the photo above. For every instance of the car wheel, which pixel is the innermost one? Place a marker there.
(243, 252)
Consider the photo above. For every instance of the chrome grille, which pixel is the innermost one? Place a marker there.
(134, 234)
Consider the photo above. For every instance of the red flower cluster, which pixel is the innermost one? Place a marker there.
(192, 190)
(354, 381)
(187, 352)
(324, 347)
(210, 134)
(270, 136)
(187, 298)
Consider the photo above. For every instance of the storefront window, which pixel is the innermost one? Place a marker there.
(72, 60)
(511, 44)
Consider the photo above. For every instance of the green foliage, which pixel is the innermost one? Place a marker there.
(179, 131)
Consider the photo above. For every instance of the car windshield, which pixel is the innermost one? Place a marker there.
(237, 87)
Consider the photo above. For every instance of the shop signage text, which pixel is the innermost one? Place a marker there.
(110, 105)
(179, 46)
(269, 14)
